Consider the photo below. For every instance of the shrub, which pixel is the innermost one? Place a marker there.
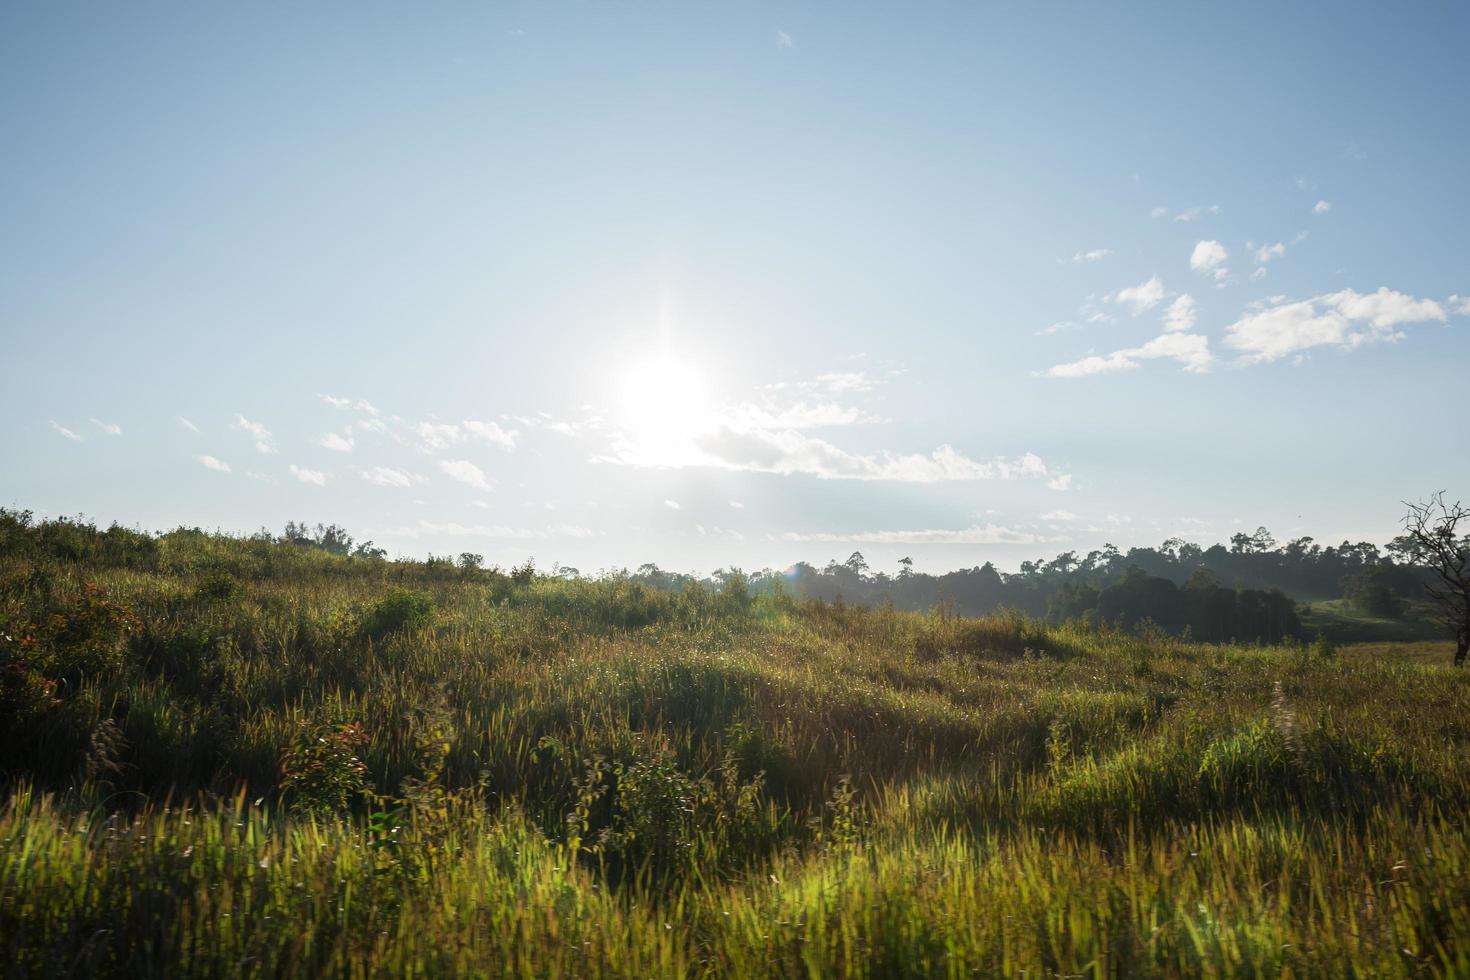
(217, 586)
(321, 772)
(399, 609)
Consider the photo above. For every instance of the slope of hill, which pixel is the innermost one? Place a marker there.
(220, 752)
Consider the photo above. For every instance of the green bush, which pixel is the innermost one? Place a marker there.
(399, 609)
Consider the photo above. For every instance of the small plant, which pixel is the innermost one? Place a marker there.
(1323, 648)
(321, 771)
(842, 829)
(525, 573)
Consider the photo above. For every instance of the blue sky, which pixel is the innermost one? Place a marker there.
(703, 285)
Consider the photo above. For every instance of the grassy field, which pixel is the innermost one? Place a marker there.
(238, 758)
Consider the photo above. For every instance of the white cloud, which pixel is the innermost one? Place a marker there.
(65, 432)
(1059, 515)
(435, 529)
(442, 435)
(211, 463)
(1062, 481)
(1266, 253)
(1259, 273)
(1192, 351)
(1195, 213)
(1460, 305)
(335, 442)
(798, 416)
(264, 441)
(1345, 320)
(976, 534)
(792, 452)
(1181, 314)
(490, 434)
(111, 428)
(1209, 257)
(1091, 255)
(840, 381)
(569, 531)
(387, 476)
(465, 472)
(544, 420)
(1158, 212)
(1321, 207)
(187, 424)
(314, 477)
(361, 405)
(672, 505)
(1144, 296)
(1385, 308)
(437, 435)
(737, 505)
(452, 529)
(785, 41)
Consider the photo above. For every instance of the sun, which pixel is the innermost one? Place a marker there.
(664, 405)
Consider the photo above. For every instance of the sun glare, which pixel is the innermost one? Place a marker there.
(664, 405)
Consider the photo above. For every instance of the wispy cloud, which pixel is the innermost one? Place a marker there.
(1091, 255)
(843, 381)
(801, 415)
(211, 463)
(265, 442)
(452, 529)
(387, 476)
(1321, 207)
(313, 477)
(360, 405)
(111, 428)
(434, 436)
(1266, 253)
(1188, 214)
(791, 452)
(187, 424)
(785, 41)
(336, 442)
(64, 432)
(1141, 298)
(672, 505)
(975, 534)
(1344, 320)
(466, 472)
(547, 421)
(1192, 351)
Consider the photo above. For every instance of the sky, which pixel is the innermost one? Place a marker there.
(736, 285)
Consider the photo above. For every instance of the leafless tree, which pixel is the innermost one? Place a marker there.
(1439, 535)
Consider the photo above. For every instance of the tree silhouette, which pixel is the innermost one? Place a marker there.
(1437, 542)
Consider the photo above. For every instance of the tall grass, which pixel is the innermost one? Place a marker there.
(235, 758)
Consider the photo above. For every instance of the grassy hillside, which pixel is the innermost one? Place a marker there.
(231, 757)
(1342, 622)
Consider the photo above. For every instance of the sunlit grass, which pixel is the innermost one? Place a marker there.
(594, 778)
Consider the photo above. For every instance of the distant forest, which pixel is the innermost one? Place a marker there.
(1245, 591)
